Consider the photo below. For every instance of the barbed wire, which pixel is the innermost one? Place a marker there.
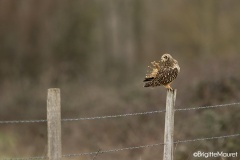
(208, 107)
(120, 115)
(207, 138)
(23, 121)
(150, 145)
(130, 148)
(115, 116)
(150, 112)
(112, 150)
(26, 158)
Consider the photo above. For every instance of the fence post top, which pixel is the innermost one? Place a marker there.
(172, 90)
(49, 89)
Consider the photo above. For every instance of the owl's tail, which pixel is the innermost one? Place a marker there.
(148, 84)
(148, 79)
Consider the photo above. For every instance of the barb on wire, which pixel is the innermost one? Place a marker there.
(95, 156)
(121, 115)
(147, 146)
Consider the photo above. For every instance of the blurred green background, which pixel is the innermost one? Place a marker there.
(97, 53)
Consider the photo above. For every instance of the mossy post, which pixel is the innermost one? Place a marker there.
(54, 124)
(169, 125)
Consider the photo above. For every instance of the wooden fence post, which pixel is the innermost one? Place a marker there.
(169, 125)
(54, 124)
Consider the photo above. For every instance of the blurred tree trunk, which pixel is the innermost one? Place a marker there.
(209, 18)
(118, 32)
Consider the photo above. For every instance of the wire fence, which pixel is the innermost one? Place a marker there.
(128, 148)
(150, 145)
(125, 115)
(122, 115)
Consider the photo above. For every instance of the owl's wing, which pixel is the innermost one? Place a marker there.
(166, 75)
(152, 74)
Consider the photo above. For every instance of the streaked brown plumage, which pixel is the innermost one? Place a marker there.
(163, 73)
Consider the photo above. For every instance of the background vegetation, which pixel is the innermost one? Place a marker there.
(97, 52)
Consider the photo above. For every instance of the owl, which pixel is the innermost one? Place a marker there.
(163, 72)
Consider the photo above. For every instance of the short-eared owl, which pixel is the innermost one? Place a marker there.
(163, 73)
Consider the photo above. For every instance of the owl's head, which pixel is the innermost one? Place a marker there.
(166, 57)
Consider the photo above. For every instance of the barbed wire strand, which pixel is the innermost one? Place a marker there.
(121, 115)
(27, 158)
(129, 148)
(208, 107)
(112, 150)
(115, 116)
(23, 121)
(150, 145)
(208, 138)
(150, 112)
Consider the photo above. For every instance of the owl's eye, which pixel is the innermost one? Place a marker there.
(165, 57)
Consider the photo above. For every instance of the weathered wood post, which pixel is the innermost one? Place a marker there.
(54, 124)
(169, 125)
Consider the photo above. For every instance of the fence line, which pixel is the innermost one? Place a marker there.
(121, 115)
(129, 148)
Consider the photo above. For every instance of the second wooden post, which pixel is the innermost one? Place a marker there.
(54, 124)
(169, 125)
